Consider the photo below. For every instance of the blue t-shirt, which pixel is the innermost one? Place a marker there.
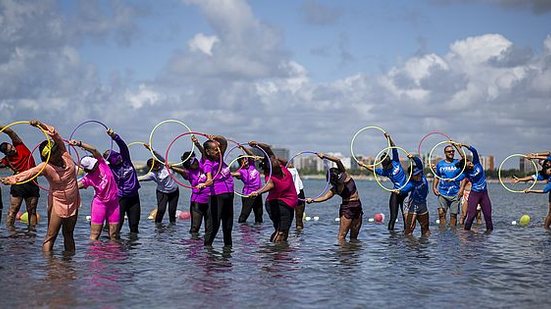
(448, 170)
(476, 176)
(419, 189)
(396, 174)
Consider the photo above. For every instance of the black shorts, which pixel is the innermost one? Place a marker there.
(25, 190)
(351, 210)
(281, 215)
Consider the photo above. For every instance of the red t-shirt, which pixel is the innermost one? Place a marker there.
(284, 188)
(20, 162)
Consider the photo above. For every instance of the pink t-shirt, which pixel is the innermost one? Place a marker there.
(250, 178)
(223, 182)
(196, 177)
(284, 188)
(103, 182)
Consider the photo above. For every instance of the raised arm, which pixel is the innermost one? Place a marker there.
(264, 147)
(125, 153)
(395, 155)
(91, 149)
(368, 167)
(476, 158)
(195, 142)
(52, 132)
(222, 141)
(340, 166)
(15, 139)
(157, 156)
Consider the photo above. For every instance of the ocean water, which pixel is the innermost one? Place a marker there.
(164, 267)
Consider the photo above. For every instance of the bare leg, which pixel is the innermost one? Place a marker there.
(114, 231)
(68, 228)
(547, 223)
(54, 224)
(95, 231)
(31, 203)
(355, 228)
(15, 205)
(442, 216)
(424, 222)
(410, 224)
(344, 227)
(453, 220)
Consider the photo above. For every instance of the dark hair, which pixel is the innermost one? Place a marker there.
(208, 143)
(187, 157)
(4, 147)
(334, 175)
(42, 146)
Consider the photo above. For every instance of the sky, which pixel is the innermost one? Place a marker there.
(304, 75)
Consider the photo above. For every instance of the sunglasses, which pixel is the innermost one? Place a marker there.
(450, 151)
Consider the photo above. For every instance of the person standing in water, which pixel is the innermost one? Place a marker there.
(167, 190)
(19, 159)
(193, 171)
(350, 211)
(105, 205)
(63, 195)
(282, 196)
(474, 172)
(126, 178)
(393, 170)
(221, 198)
(416, 208)
(543, 175)
(250, 177)
(446, 188)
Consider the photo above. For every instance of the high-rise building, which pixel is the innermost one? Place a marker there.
(282, 153)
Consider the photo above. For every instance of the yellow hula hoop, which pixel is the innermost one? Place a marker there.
(501, 180)
(410, 169)
(155, 129)
(142, 143)
(430, 162)
(354, 139)
(49, 153)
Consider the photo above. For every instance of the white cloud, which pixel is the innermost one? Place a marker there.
(144, 95)
(203, 43)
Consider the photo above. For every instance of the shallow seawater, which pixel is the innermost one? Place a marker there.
(164, 267)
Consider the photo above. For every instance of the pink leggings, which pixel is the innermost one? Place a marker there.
(102, 211)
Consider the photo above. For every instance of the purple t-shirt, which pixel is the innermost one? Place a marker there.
(196, 177)
(223, 182)
(251, 178)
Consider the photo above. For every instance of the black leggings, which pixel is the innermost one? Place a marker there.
(220, 209)
(167, 198)
(254, 204)
(198, 213)
(396, 200)
(2, 204)
(130, 205)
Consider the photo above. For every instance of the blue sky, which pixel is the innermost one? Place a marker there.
(296, 74)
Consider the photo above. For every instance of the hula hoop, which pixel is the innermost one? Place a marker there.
(410, 169)
(171, 175)
(249, 156)
(141, 143)
(325, 163)
(87, 122)
(34, 149)
(501, 181)
(432, 170)
(49, 152)
(354, 139)
(429, 134)
(155, 129)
